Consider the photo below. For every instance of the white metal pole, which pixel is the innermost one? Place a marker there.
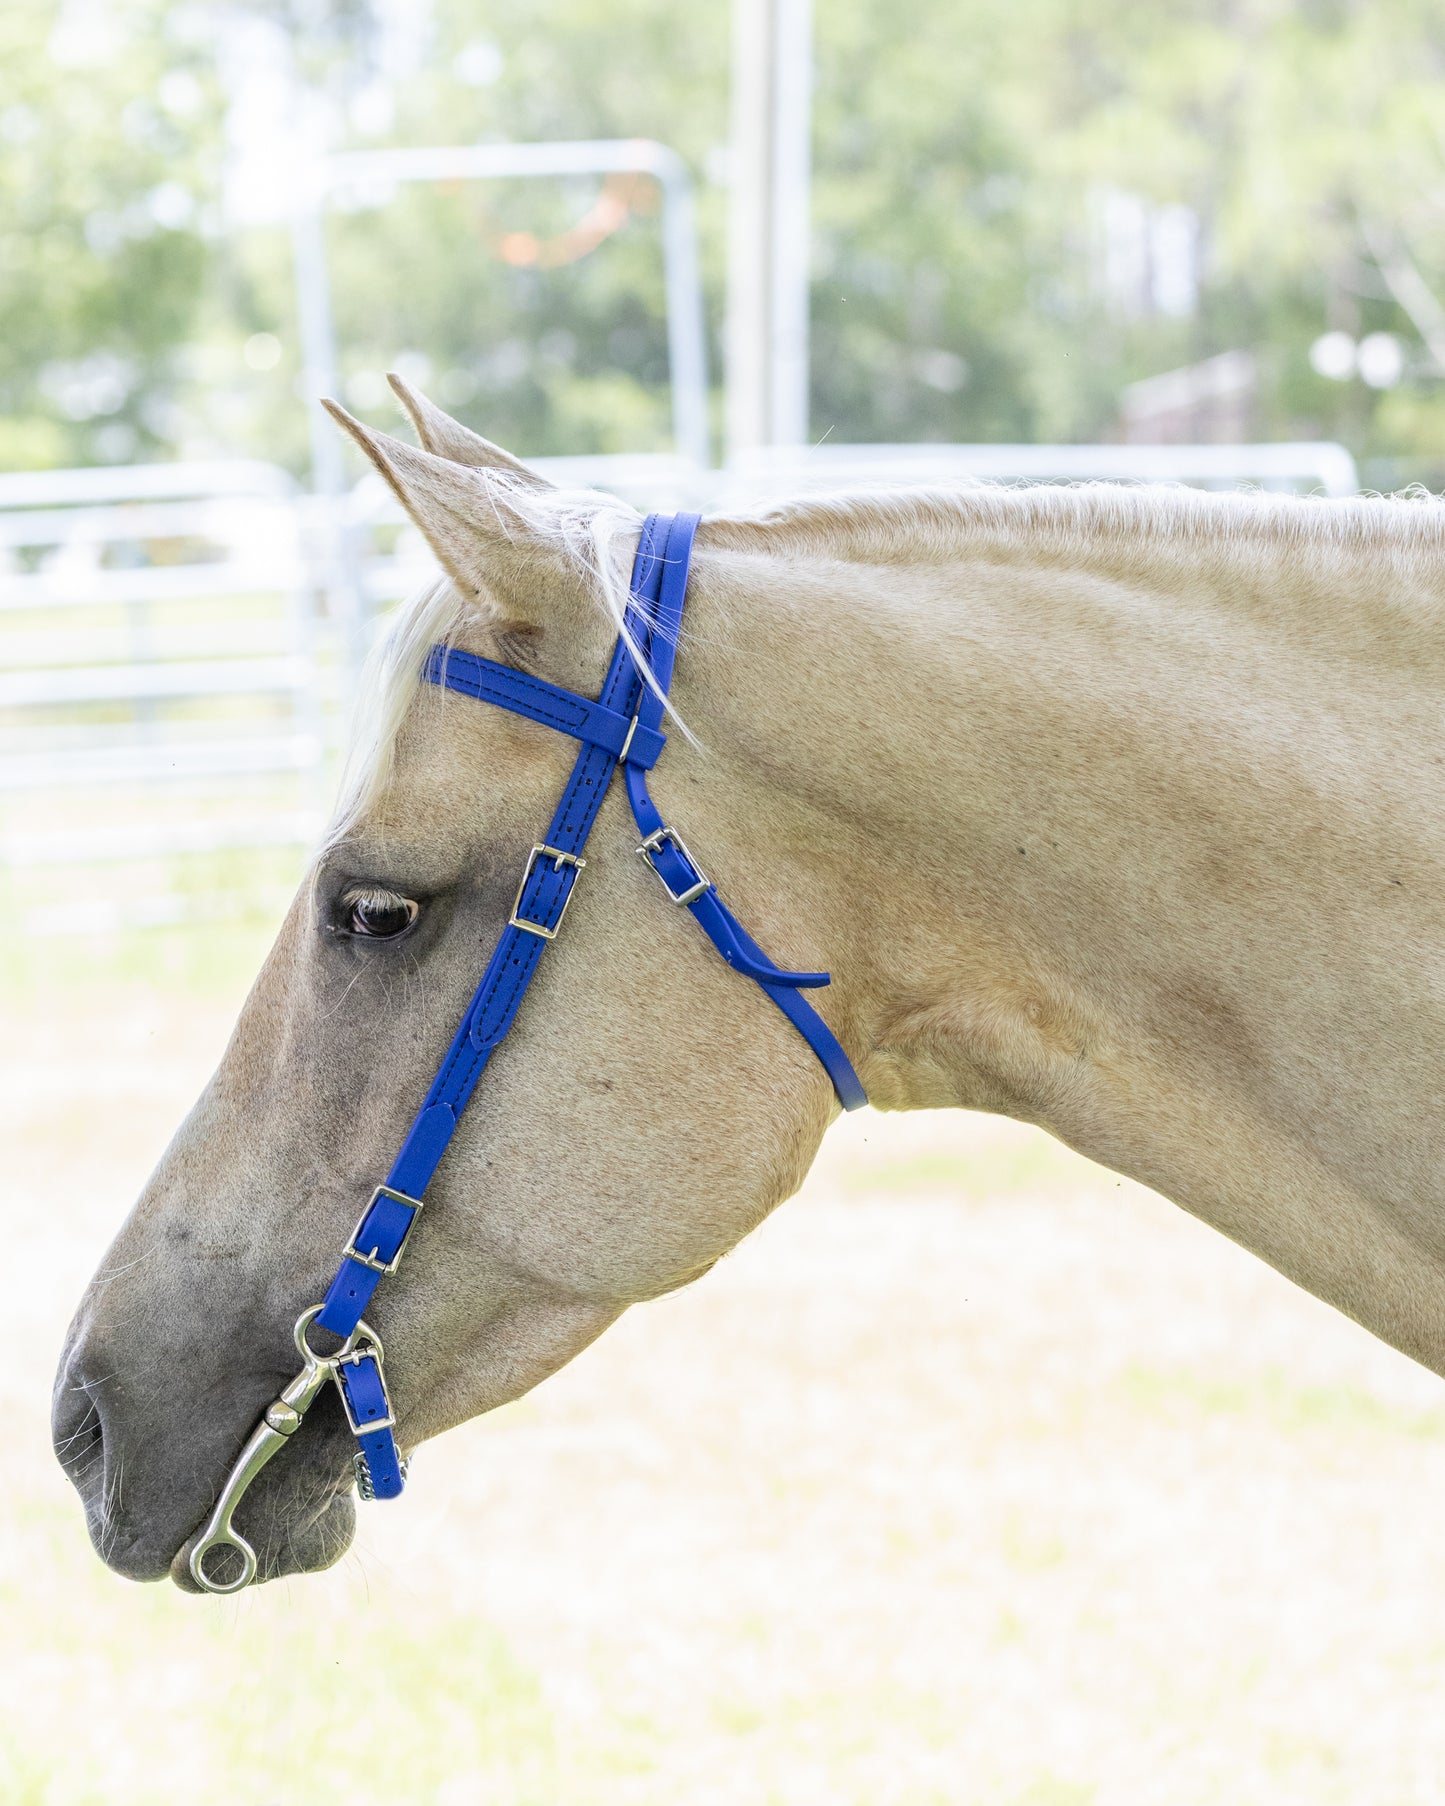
(748, 235)
(318, 336)
(793, 160)
(768, 262)
(332, 542)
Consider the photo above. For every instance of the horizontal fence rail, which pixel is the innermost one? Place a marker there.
(1310, 466)
(164, 706)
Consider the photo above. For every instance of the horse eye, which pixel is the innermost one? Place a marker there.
(376, 914)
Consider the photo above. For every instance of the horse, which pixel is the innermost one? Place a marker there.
(1117, 811)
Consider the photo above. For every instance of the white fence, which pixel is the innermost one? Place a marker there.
(1321, 467)
(176, 643)
(162, 694)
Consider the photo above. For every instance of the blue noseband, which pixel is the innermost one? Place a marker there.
(623, 727)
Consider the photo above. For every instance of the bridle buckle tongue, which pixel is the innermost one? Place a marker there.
(378, 1465)
(373, 1259)
(654, 845)
(545, 931)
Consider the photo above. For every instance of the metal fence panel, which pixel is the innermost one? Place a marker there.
(163, 690)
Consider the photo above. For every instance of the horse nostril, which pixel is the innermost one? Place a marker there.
(78, 1433)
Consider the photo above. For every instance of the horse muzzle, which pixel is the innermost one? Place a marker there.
(151, 1469)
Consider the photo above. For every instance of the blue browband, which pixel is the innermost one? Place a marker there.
(623, 727)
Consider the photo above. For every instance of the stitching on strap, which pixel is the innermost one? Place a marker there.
(471, 685)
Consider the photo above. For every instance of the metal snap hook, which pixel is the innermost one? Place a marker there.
(279, 1423)
(362, 1335)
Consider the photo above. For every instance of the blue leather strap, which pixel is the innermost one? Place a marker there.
(621, 735)
(623, 726)
(546, 887)
(368, 1410)
(668, 856)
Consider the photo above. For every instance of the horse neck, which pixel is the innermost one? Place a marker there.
(1143, 844)
(1038, 787)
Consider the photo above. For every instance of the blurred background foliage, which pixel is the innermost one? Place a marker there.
(1020, 208)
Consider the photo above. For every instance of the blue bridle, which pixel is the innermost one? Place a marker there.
(622, 727)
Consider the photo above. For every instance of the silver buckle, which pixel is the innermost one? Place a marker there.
(352, 1252)
(382, 1423)
(559, 859)
(651, 845)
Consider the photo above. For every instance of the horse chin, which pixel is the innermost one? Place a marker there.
(305, 1547)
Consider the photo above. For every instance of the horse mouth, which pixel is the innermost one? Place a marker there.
(299, 1542)
(299, 1517)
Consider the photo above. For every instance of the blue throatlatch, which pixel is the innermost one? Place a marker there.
(623, 727)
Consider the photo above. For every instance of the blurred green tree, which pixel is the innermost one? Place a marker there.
(107, 158)
(1070, 198)
(1019, 209)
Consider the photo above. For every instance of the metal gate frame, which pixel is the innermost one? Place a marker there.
(682, 277)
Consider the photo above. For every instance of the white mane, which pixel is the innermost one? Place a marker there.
(943, 522)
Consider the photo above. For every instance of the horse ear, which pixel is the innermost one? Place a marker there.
(477, 522)
(448, 438)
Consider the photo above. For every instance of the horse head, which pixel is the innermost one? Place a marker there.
(647, 1111)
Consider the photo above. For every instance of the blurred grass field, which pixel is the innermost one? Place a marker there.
(977, 1477)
